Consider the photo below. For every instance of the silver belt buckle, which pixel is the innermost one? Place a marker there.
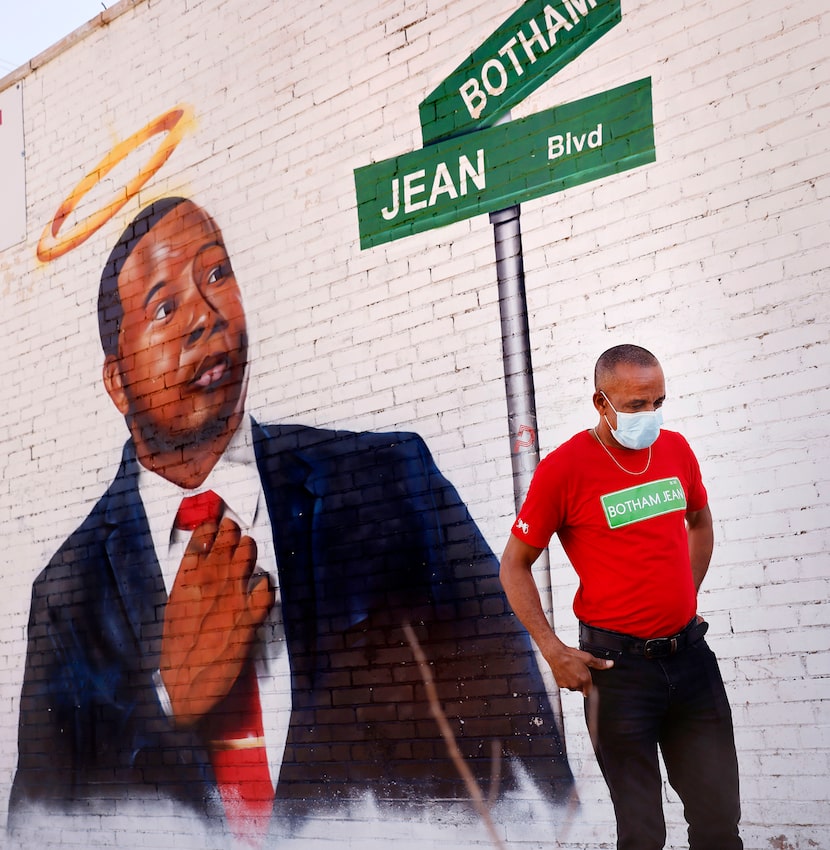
(660, 647)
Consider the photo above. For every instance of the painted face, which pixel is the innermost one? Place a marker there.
(180, 374)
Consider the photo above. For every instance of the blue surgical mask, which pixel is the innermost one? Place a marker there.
(635, 430)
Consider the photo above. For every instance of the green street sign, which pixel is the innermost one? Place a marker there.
(533, 44)
(491, 169)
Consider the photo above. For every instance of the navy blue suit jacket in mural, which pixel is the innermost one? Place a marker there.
(368, 535)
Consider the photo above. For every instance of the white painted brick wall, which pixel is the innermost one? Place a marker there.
(715, 257)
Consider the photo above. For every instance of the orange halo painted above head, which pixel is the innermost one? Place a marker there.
(174, 123)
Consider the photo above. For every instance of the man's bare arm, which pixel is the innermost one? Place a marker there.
(701, 542)
(570, 666)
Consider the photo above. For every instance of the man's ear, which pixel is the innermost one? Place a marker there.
(114, 383)
(599, 402)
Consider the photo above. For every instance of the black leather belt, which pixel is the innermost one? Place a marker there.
(660, 647)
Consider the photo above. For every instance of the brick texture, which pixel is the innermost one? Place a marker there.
(715, 257)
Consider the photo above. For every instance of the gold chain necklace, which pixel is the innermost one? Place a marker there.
(643, 470)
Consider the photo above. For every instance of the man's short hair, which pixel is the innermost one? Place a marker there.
(613, 357)
(110, 309)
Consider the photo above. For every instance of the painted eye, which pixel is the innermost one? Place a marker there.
(164, 310)
(219, 273)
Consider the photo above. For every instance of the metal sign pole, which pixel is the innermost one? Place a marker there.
(515, 339)
(521, 394)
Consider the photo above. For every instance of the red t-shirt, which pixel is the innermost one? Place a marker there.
(624, 534)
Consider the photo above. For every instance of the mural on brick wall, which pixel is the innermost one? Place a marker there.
(235, 624)
(409, 199)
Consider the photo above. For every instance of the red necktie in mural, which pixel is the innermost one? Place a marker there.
(233, 729)
(194, 510)
(240, 762)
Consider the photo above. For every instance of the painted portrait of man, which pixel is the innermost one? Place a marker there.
(226, 627)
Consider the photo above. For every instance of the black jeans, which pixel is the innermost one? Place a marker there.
(677, 703)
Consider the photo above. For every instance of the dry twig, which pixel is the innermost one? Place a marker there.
(449, 738)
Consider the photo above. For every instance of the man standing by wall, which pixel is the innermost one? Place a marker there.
(630, 509)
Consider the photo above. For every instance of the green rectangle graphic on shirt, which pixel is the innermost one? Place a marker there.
(634, 504)
(494, 168)
(536, 41)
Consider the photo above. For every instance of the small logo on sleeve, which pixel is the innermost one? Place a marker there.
(523, 526)
(645, 501)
